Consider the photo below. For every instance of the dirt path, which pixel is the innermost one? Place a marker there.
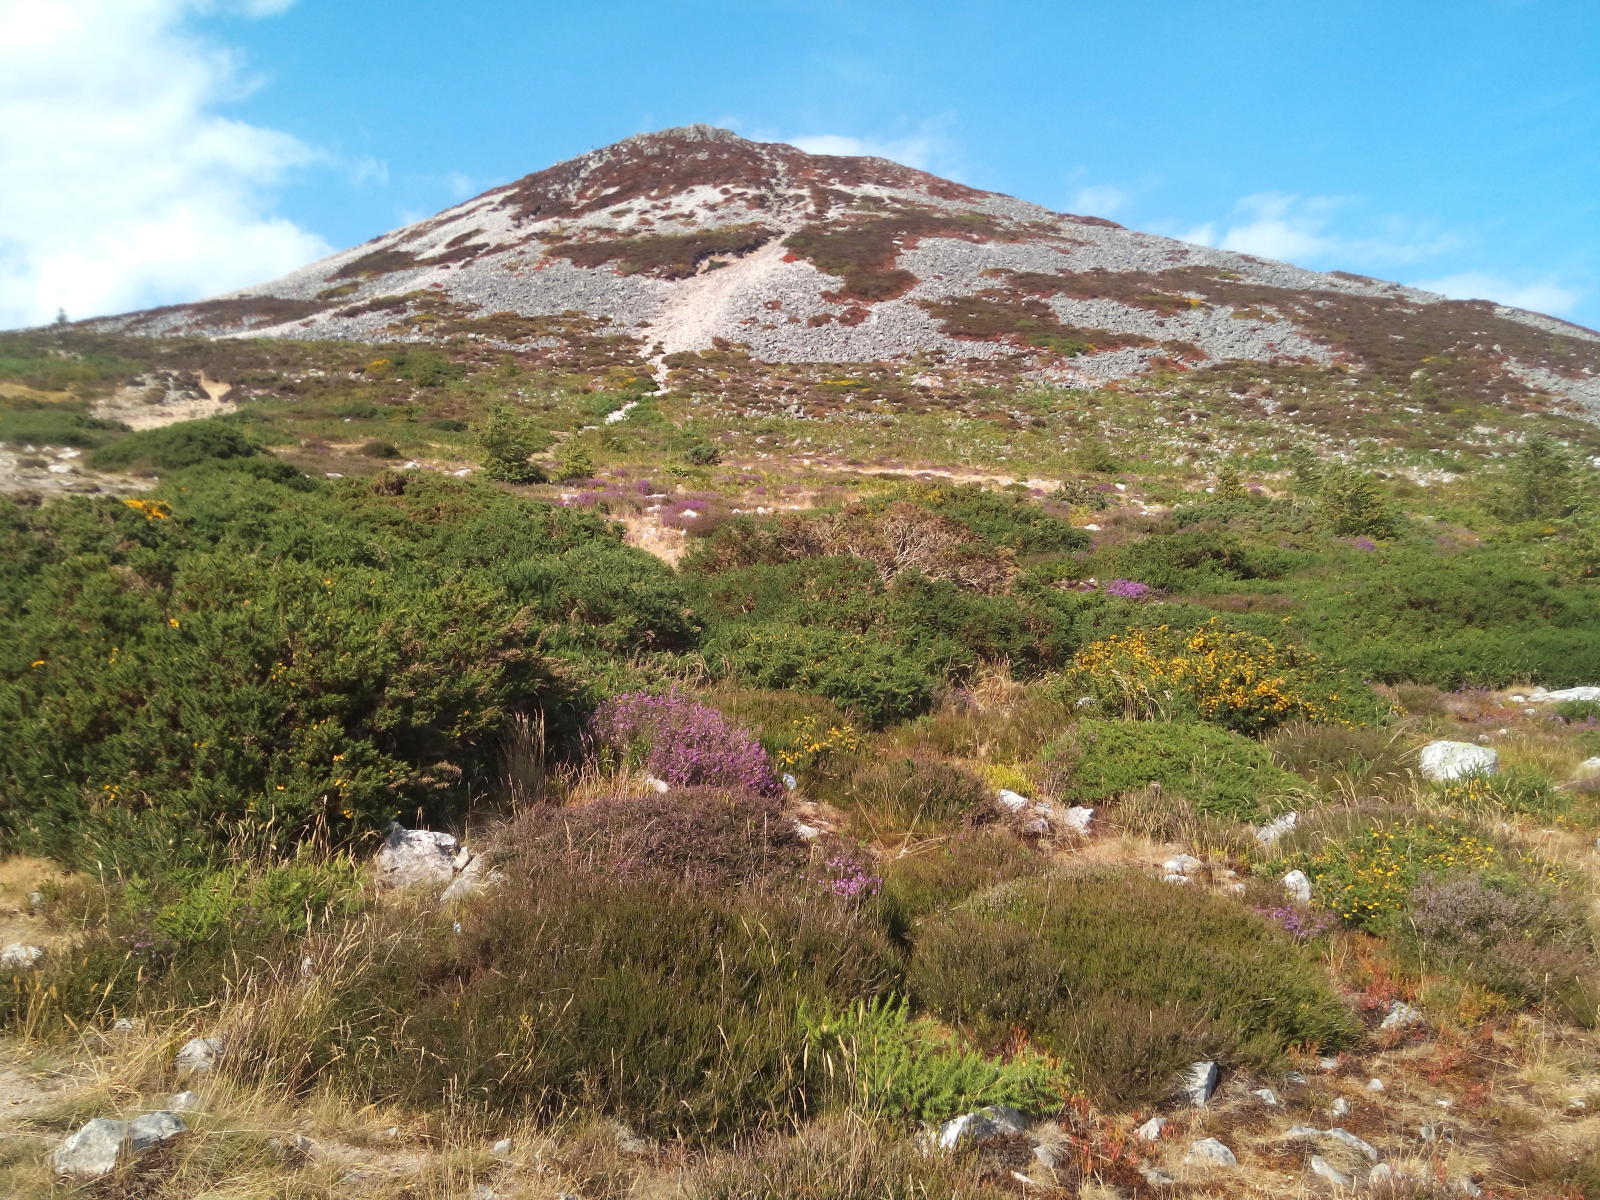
(698, 308)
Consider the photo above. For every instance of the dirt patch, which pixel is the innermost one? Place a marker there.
(166, 399)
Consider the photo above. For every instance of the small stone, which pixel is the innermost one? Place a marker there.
(1270, 833)
(413, 857)
(1209, 1150)
(1299, 1131)
(198, 1054)
(1351, 1140)
(1340, 1107)
(809, 833)
(789, 781)
(1294, 1077)
(1267, 1096)
(1175, 879)
(1298, 885)
(1427, 1132)
(1047, 1156)
(501, 1148)
(1327, 1064)
(1200, 1082)
(20, 956)
(1078, 818)
(1469, 1188)
(127, 1025)
(1012, 801)
(1374, 1085)
(1323, 1169)
(659, 786)
(1399, 1016)
(1151, 1130)
(1382, 1173)
(183, 1101)
(1155, 1177)
(1182, 864)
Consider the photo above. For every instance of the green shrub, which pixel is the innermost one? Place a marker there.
(55, 426)
(508, 439)
(1125, 978)
(1576, 710)
(172, 447)
(891, 796)
(1218, 772)
(883, 1062)
(881, 681)
(1350, 504)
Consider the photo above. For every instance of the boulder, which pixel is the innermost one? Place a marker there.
(1011, 801)
(198, 1054)
(1078, 819)
(1298, 885)
(475, 877)
(998, 1120)
(1587, 694)
(414, 857)
(1182, 864)
(1442, 761)
(1151, 1130)
(20, 956)
(100, 1145)
(1209, 1150)
(1200, 1081)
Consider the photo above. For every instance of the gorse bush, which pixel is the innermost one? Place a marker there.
(173, 447)
(1219, 772)
(277, 664)
(1235, 679)
(683, 742)
(884, 1062)
(1125, 978)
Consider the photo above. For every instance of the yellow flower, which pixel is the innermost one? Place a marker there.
(173, 621)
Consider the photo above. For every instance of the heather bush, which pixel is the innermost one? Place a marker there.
(1219, 772)
(1522, 942)
(684, 742)
(661, 1002)
(704, 835)
(1125, 978)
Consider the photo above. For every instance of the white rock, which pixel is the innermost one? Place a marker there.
(1200, 1081)
(1374, 1085)
(1267, 1096)
(1269, 833)
(1327, 1064)
(1175, 879)
(997, 1120)
(501, 1148)
(1399, 1016)
(809, 832)
(198, 1054)
(1209, 1150)
(1323, 1169)
(659, 786)
(462, 473)
(98, 1146)
(1589, 764)
(183, 1102)
(1151, 1130)
(1340, 1107)
(789, 781)
(1012, 801)
(1351, 1140)
(1588, 693)
(412, 857)
(127, 1025)
(1091, 528)
(475, 877)
(1182, 864)
(1296, 1131)
(1078, 818)
(1442, 761)
(20, 956)
(1382, 1173)
(1298, 885)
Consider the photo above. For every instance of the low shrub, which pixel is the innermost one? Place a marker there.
(878, 1059)
(897, 796)
(1125, 978)
(1219, 772)
(1342, 756)
(1235, 679)
(937, 874)
(55, 426)
(881, 681)
(172, 447)
(684, 742)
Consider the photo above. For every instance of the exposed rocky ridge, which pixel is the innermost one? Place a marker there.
(695, 238)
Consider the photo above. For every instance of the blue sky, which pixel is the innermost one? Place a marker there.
(1448, 143)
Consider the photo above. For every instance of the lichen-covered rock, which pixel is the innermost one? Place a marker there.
(1442, 761)
(416, 857)
(19, 956)
(1210, 1150)
(1200, 1081)
(998, 1120)
(198, 1054)
(102, 1143)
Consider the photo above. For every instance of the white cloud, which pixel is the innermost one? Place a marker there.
(1098, 200)
(1325, 231)
(123, 186)
(1544, 296)
(459, 184)
(927, 150)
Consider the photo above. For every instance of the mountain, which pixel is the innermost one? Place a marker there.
(695, 239)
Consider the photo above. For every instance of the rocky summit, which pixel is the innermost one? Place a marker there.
(695, 239)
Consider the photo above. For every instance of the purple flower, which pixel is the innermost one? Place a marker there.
(1128, 589)
(849, 877)
(1298, 923)
(1364, 543)
(685, 743)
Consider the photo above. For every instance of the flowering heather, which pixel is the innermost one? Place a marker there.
(1128, 589)
(1298, 923)
(847, 875)
(685, 743)
(1364, 543)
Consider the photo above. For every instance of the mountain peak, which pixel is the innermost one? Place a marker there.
(694, 237)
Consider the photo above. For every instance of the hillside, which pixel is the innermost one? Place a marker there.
(691, 239)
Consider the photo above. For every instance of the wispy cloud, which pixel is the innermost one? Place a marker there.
(928, 148)
(1098, 200)
(124, 183)
(1544, 295)
(1319, 231)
